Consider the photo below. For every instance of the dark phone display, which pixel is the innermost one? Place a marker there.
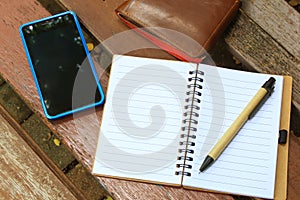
(57, 56)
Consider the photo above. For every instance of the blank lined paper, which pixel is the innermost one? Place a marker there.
(142, 119)
(142, 125)
(248, 164)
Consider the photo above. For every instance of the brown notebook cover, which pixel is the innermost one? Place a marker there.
(183, 28)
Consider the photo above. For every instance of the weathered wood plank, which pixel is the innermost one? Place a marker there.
(293, 170)
(279, 20)
(23, 174)
(42, 136)
(266, 38)
(97, 16)
(100, 19)
(18, 109)
(1, 80)
(35, 148)
(259, 51)
(13, 64)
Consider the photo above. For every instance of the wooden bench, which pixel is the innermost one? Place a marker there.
(23, 174)
(266, 38)
(99, 18)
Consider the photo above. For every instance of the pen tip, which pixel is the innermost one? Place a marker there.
(206, 163)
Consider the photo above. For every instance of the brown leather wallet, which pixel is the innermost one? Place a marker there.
(183, 28)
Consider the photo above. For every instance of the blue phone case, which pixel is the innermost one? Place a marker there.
(89, 59)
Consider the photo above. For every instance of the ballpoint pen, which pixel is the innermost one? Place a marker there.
(249, 111)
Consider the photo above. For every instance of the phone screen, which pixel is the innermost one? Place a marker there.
(56, 50)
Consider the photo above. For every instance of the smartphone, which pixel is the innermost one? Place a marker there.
(61, 65)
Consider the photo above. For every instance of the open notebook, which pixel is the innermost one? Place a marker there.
(162, 117)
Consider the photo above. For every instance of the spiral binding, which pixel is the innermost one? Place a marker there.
(189, 122)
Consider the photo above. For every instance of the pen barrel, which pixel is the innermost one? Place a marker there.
(237, 124)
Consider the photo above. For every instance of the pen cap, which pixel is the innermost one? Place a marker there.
(269, 85)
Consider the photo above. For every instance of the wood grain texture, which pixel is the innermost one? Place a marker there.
(23, 174)
(279, 20)
(13, 63)
(266, 37)
(40, 153)
(100, 19)
(293, 170)
(254, 47)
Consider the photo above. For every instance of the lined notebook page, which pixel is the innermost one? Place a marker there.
(248, 164)
(142, 119)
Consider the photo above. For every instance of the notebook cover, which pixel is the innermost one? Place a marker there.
(198, 23)
(282, 157)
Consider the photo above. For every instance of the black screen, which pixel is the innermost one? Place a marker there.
(57, 56)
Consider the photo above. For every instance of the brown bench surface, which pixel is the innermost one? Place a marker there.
(80, 134)
(23, 174)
